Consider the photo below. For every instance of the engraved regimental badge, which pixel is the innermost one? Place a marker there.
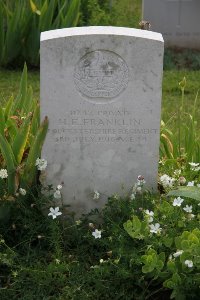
(101, 74)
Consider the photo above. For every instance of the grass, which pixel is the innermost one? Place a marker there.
(9, 82)
(172, 94)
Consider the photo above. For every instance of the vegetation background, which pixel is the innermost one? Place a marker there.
(46, 259)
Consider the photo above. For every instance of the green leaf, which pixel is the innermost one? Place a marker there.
(167, 241)
(10, 163)
(171, 266)
(8, 108)
(34, 153)
(20, 140)
(34, 8)
(133, 228)
(191, 192)
(166, 208)
(2, 121)
(12, 128)
(35, 123)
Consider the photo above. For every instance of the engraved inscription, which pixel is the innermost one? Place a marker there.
(101, 74)
(101, 126)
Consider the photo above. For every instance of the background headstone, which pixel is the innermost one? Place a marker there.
(177, 20)
(101, 89)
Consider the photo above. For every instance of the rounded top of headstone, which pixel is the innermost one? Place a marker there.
(100, 30)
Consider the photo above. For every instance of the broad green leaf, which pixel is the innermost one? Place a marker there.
(135, 228)
(12, 128)
(20, 140)
(191, 192)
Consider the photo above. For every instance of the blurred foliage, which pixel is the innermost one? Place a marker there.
(21, 22)
(182, 59)
(126, 13)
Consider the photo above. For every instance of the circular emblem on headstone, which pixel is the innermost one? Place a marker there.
(101, 74)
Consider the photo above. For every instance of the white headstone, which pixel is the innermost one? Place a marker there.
(177, 20)
(101, 89)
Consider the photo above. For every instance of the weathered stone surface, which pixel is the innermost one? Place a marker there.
(177, 20)
(101, 89)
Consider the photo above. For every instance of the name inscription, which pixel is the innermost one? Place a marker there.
(98, 126)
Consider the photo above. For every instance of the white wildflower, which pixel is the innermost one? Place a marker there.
(22, 191)
(177, 172)
(194, 166)
(178, 201)
(167, 181)
(57, 194)
(191, 216)
(54, 212)
(96, 195)
(190, 183)
(101, 261)
(78, 222)
(150, 213)
(155, 228)
(59, 187)
(97, 234)
(150, 219)
(188, 208)
(3, 173)
(57, 261)
(178, 253)
(41, 164)
(198, 185)
(189, 263)
(132, 196)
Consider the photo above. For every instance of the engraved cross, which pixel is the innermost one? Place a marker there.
(179, 8)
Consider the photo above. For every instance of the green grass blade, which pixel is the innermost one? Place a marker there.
(72, 15)
(22, 92)
(35, 123)
(2, 121)
(8, 108)
(46, 17)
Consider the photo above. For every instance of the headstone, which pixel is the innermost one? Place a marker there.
(177, 20)
(101, 89)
